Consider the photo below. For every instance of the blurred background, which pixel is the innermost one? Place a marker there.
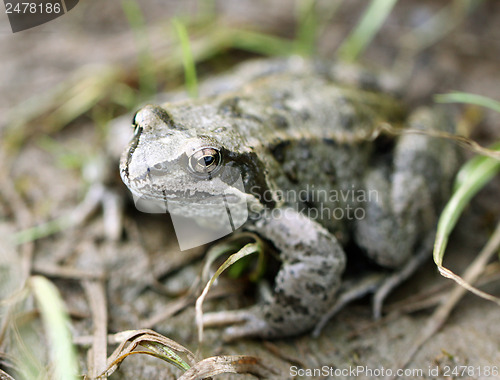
(62, 85)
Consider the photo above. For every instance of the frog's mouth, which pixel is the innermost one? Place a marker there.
(197, 197)
(198, 205)
(187, 197)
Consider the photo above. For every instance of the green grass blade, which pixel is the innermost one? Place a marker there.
(464, 97)
(259, 43)
(147, 79)
(232, 245)
(168, 355)
(366, 29)
(472, 165)
(439, 25)
(56, 322)
(187, 58)
(307, 27)
(42, 230)
(472, 179)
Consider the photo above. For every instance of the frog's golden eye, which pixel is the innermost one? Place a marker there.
(204, 161)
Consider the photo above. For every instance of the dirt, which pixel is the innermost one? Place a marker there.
(144, 270)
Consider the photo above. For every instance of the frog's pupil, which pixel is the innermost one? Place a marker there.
(208, 160)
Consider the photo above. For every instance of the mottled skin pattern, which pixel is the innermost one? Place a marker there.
(292, 125)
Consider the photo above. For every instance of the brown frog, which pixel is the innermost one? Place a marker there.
(302, 139)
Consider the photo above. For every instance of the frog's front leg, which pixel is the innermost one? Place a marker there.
(305, 286)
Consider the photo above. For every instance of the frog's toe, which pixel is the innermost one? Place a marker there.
(243, 323)
(349, 292)
(395, 279)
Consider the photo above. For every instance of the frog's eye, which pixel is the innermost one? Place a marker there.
(135, 125)
(204, 161)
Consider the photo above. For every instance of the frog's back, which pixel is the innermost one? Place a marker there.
(298, 99)
(273, 100)
(313, 135)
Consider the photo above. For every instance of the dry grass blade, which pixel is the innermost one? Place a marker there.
(465, 142)
(96, 296)
(442, 312)
(228, 364)
(175, 306)
(5, 376)
(166, 349)
(479, 266)
(7, 362)
(160, 346)
(170, 309)
(248, 249)
(278, 352)
(435, 295)
(68, 272)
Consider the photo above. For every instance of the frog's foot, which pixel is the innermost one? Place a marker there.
(350, 291)
(395, 279)
(381, 284)
(243, 324)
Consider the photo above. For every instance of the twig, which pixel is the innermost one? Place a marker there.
(67, 272)
(96, 296)
(23, 218)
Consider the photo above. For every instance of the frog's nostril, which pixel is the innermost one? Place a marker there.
(157, 170)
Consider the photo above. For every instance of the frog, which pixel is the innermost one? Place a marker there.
(319, 176)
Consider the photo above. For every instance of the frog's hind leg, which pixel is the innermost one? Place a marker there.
(305, 286)
(405, 194)
(378, 284)
(349, 292)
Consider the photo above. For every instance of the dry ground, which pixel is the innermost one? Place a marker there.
(145, 271)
